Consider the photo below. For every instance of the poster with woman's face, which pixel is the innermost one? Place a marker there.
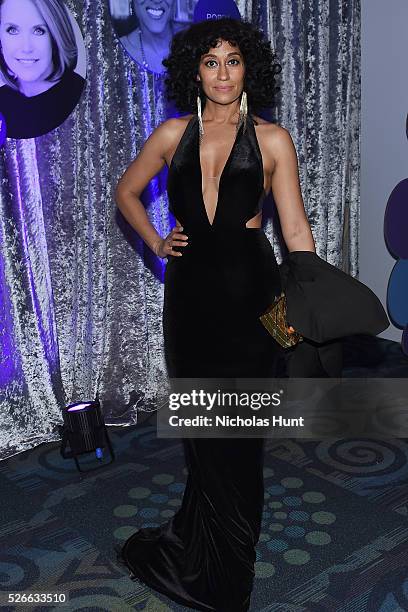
(145, 27)
(42, 65)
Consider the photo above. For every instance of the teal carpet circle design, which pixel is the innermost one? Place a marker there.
(334, 534)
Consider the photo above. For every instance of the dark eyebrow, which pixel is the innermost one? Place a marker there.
(212, 54)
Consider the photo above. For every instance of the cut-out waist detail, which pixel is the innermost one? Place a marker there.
(208, 238)
(217, 248)
(258, 217)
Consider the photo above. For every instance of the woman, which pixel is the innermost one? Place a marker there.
(149, 43)
(221, 275)
(38, 54)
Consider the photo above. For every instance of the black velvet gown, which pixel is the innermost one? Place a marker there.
(204, 556)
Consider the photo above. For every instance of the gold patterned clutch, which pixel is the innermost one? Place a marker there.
(274, 320)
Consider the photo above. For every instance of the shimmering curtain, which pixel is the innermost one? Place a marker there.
(81, 295)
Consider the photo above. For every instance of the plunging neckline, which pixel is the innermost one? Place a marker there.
(200, 172)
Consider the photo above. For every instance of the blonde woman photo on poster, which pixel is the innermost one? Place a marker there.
(42, 65)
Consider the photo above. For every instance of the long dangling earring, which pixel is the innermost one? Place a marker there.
(243, 111)
(200, 118)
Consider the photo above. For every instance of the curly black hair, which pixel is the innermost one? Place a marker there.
(190, 44)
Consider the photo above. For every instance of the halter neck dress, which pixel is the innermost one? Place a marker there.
(227, 275)
(204, 556)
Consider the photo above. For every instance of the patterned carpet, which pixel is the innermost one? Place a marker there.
(335, 528)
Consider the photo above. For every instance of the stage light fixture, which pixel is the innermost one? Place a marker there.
(85, 431)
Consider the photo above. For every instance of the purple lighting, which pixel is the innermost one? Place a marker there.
(80, 406)
(3, 130)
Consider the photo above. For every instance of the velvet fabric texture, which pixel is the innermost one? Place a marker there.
(324, 304)
(228, 274)
(82, 294)
(204, 556)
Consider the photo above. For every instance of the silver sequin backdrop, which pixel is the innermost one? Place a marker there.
(81, 296)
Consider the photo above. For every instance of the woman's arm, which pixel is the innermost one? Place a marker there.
(147, 164)
(287, 193)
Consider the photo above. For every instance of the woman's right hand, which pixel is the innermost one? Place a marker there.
(174, 238)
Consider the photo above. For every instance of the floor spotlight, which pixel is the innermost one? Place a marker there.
(85, 431)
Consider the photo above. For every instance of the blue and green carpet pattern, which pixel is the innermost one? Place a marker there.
(334, 533)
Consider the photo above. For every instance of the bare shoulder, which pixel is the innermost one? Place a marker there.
(170, 131)
(273, 138)
(174, 124)
(269, 130)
